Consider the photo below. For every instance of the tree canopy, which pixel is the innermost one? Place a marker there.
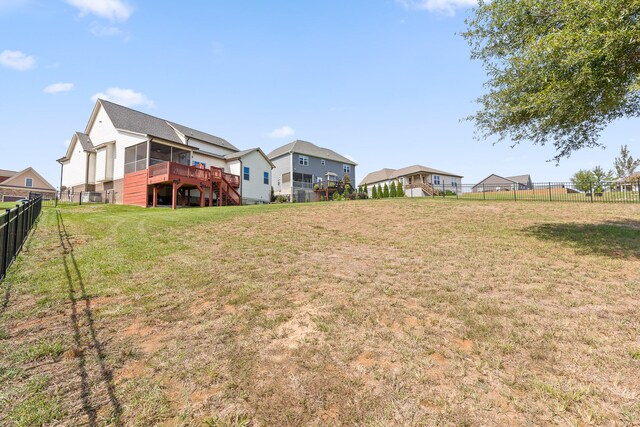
(559, 70)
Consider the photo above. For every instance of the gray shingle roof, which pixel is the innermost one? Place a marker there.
(203, 136)
(305, 147)
(85, 142)
(522, 179)
(387, 174)
(243, 153)
(139, 122)
(6, 172)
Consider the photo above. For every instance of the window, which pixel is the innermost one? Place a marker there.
(28, 182)
(436, 179)
(266, 178)
(303, 160)
(323, 162)
(454, 182)
(135, 158)
(246, 173)
(346, 168)
(319, 179)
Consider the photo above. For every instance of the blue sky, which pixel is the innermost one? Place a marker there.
(384, 82)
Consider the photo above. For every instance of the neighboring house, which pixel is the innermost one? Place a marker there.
(146, 161)
(303, 171)
(18, 185)
(498, 183)
(417, 180)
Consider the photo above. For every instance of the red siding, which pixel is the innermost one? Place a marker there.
(135, 189)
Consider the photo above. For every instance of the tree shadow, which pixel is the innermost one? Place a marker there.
(614, 239)
(82, 316)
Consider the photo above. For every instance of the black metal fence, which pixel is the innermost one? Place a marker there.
(15, 225)
(79, 198)
(588, 192)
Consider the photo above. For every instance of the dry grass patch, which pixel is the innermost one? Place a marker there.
(391, 312)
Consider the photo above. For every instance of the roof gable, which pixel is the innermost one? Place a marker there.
(307, 148)
(16, 181)
(240, 154)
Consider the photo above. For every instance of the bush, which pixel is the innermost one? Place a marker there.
(366, 190)
(385, 192)
(281, 199)
(337, 196)
(400, 189)
(379, 192)
(392, 189)
(363, 195)
(374, 193)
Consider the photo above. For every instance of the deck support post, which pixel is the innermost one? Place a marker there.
(220, 196)
(210, 194)
(201, 188)
(155, 195)
(174, 196)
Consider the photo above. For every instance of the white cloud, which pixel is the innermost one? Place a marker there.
(443, 6)
(282, 132)
(114, 10)
(58, 87)
(104, 31)
(126, 97)
(16, 60)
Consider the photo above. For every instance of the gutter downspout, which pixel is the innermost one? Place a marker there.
(86, 174)
(242, 180)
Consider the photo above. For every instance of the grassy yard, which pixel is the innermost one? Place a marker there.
(373, 313)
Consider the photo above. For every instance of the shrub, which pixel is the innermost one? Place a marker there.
(316, 186)
(363, 196)
(281, 199)
(385, 192)
(392, 189)
(379, 192)
(400, 189)
(366, 190)
(337, 196)
(374, 193)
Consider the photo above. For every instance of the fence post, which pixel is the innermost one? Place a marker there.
(550, 198)
(5, 242)
(80, 198)
(484, 194)
(515, 191)
(591, 190)
(638, 183)
(443, 188)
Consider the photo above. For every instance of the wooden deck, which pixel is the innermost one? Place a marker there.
(182, 179)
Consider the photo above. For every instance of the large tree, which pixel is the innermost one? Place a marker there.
(559, 70)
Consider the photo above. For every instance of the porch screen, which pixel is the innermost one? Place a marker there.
(135, 158)
(160, 153)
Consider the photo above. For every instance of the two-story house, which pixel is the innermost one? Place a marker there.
(143, 160)
(300, 166)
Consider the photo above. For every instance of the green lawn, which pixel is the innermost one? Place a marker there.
(377, 312)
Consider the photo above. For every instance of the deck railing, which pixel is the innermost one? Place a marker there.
(233, 180)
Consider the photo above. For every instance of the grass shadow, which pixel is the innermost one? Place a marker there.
(614, 239)
(82, 316)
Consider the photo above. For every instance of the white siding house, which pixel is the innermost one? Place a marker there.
(119, 142)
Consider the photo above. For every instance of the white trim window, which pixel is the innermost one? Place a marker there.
(323, 162)
(346, 168)
(454, 181)
(436, 179)
(246, 173)
(28, 182)
(303, 160)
